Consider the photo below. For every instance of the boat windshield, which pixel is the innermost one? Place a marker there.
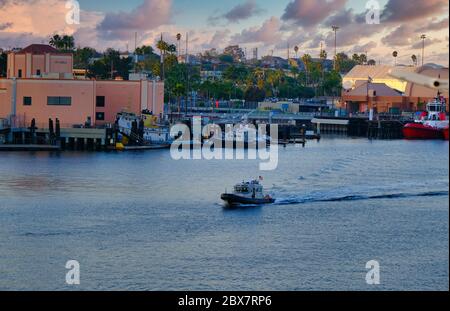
(436, 106)
(240, 188)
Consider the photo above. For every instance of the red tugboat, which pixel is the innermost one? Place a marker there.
(432, 124)
(446, 133)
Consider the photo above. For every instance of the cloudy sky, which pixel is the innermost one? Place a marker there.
(268, 25)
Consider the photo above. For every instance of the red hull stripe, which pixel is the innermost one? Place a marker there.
(419, 131)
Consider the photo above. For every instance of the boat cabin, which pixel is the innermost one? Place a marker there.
(253, 188)
(436, 110)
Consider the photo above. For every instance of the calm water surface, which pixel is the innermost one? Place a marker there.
(141, 221)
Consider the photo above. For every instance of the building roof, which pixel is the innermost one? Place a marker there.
(362, 72)
(38, 49)
(378, 73)
(381, 89)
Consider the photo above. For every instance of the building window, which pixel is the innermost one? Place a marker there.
(59, 101)
(100, 116)
(38, 72)
(27, 101)
(19, 74)
(100, 101)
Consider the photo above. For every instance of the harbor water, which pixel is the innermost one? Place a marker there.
(142, 221)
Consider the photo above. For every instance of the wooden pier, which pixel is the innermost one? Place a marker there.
(336, 126)
(361, 127)
(385, 129)
(140, 148)
(4, 147)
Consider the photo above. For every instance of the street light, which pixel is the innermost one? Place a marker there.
(423, 37)
(179, 44)
(335, 29)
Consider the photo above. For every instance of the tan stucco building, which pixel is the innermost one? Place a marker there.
(40, 85)
(371, 87)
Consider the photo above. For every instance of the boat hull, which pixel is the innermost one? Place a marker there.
(445, 131)
(420, 131)
(232, 199)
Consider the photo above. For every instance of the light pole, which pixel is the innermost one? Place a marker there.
(335, 29)
(179, 44)
(423, 37)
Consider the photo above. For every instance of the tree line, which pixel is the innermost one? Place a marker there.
(239, 81)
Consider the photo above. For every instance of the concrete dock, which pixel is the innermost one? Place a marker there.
(67, 139)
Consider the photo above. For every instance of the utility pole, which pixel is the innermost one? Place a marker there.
(288, 54)
(187, 72)
(178, 45)
(423, 37)
(135, 54)
(112, 70)
(335, 29)
(187, 46)
(162, 59)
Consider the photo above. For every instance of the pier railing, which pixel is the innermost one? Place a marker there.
(22, 122)
(4, 123)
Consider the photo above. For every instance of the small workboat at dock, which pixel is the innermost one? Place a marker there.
(141, 132)
(247, 193)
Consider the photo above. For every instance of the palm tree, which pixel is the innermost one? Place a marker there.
(57, 42)
(356, 58)
(414, 59)
(307, 61)
(162, 46)
(274, 77)
(363, 59)
(395, 54)
(62, 43)
(171, 48)
(179, 90)
(323, 54)
(69, 42)
(296, 51)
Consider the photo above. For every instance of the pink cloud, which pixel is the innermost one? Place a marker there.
(268, 33)
(311, 12)
(150, 14)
